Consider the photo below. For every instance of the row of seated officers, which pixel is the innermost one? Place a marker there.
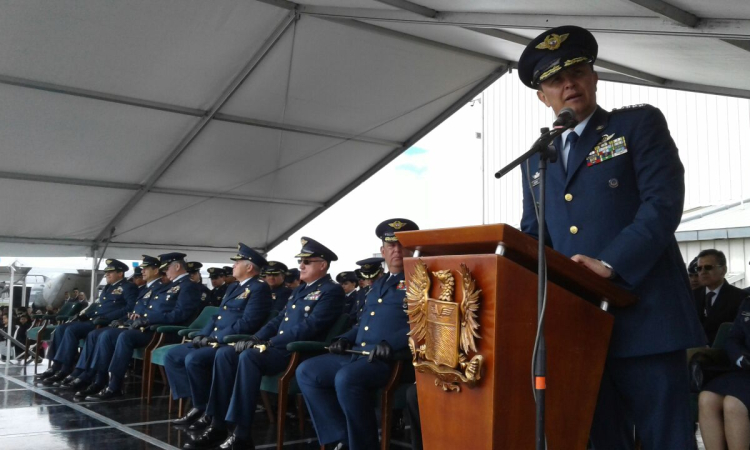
(223, 381)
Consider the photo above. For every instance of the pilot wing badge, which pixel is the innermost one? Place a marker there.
(444, 332)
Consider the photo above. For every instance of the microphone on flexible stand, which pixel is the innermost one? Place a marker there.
(565, 119)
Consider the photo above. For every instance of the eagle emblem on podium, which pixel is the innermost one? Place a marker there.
(444, 332)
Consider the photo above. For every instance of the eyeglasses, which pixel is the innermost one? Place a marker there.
(307, 262)
(707, 268)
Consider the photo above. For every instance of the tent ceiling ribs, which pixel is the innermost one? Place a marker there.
(668, 11)
(155, 190)
(647, 25)
(200, 126)
(148, 104)
(458, 104)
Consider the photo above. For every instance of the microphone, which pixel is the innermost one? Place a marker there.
(566, 119)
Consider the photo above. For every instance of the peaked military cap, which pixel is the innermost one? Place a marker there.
(693, 266)
(387, 229)
(168, 258)
(291, 275)
(369, 268)
(216, 272)
(115, 265)
(556, 50)
(313, 248)
(274, 268)
(343, 277)
(245, 253)
(137, 272)
(149, 261)
(193, 266)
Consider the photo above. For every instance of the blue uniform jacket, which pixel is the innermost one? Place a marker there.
(217, 295)
(115, 301)
(144, 295)
(358, 306)
(738, 343)
(384, 317)
(309, 313)
(280, 295)
(175, 303)
(624, 210)
(242, 311)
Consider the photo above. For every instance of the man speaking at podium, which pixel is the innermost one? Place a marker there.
(614, 200)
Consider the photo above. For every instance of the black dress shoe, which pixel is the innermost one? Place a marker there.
(209, 439)
(105, 394)
(235, 443)
(191, 416)
(201, 424)
(59, 376)
(76, 385)
(46, 374)
(91, 390)
(67, 380)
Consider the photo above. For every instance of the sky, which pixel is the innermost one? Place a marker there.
(424, 184)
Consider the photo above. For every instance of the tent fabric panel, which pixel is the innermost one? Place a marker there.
(43, 249)
(737, 9)
(47, 210)
(181, 53)
(228, 156)
(573, 8)
(182, 220)
(354, 80)
(45, 133)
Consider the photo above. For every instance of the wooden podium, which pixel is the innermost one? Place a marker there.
(498, 411)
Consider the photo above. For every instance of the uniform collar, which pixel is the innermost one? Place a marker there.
(151, 283)
(578, 128)
(179, 277)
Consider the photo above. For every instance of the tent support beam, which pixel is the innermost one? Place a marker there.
(155, 190)
(281, 28)
(458, 104)
(668, 11)
(176, 109)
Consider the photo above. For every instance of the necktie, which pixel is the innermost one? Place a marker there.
(570, 145)
(709, 302)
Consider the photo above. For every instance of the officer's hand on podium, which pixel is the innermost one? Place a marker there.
(745, 361)
(382, 351)
(594, 265)
(340, 346)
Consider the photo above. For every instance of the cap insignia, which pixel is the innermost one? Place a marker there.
(397, 225)
(552, 42)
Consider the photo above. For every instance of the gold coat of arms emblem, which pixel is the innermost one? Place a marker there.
(444, 333)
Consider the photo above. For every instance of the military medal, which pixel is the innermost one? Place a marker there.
(313, 296)
(401, 285)
(607, 149)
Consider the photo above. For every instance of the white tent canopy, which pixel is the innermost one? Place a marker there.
(188, 125)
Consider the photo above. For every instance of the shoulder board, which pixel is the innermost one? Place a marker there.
(632, 107)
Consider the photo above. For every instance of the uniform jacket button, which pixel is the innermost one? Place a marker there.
(568, 197)
(573, 229)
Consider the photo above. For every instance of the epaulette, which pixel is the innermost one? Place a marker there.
(632, 107)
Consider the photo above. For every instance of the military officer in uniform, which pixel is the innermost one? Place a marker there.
(175, 304)
(136, 278)
(228, 277)
(115, 301)
(194, 270)
(369, 271)
(312, 309)
(291, 278)
(615, 198)
(84, 374)
(219, 285)
(348, 281)
(242, 311)
(339, 388)
(274, 274)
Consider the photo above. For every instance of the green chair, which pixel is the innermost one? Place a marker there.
(284, 383)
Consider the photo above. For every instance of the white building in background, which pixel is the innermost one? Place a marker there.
(710, 132)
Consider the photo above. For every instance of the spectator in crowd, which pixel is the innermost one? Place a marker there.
(719, 301)
(292, 278)
(723, 405)
(695, 281)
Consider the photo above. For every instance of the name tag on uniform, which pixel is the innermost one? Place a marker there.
(607, 149)
(117, 291)
(313, 296)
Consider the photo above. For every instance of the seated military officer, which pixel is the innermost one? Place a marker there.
(369, 271)
(219, 285)
(175, 304)
(274, 274)
(115, 301)
(291, 278)
(349, 282)
(311, 311)
(242, 311)
(340, 388)
(194, 270)
(84, 374)
(228, 277)
(136, 278)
